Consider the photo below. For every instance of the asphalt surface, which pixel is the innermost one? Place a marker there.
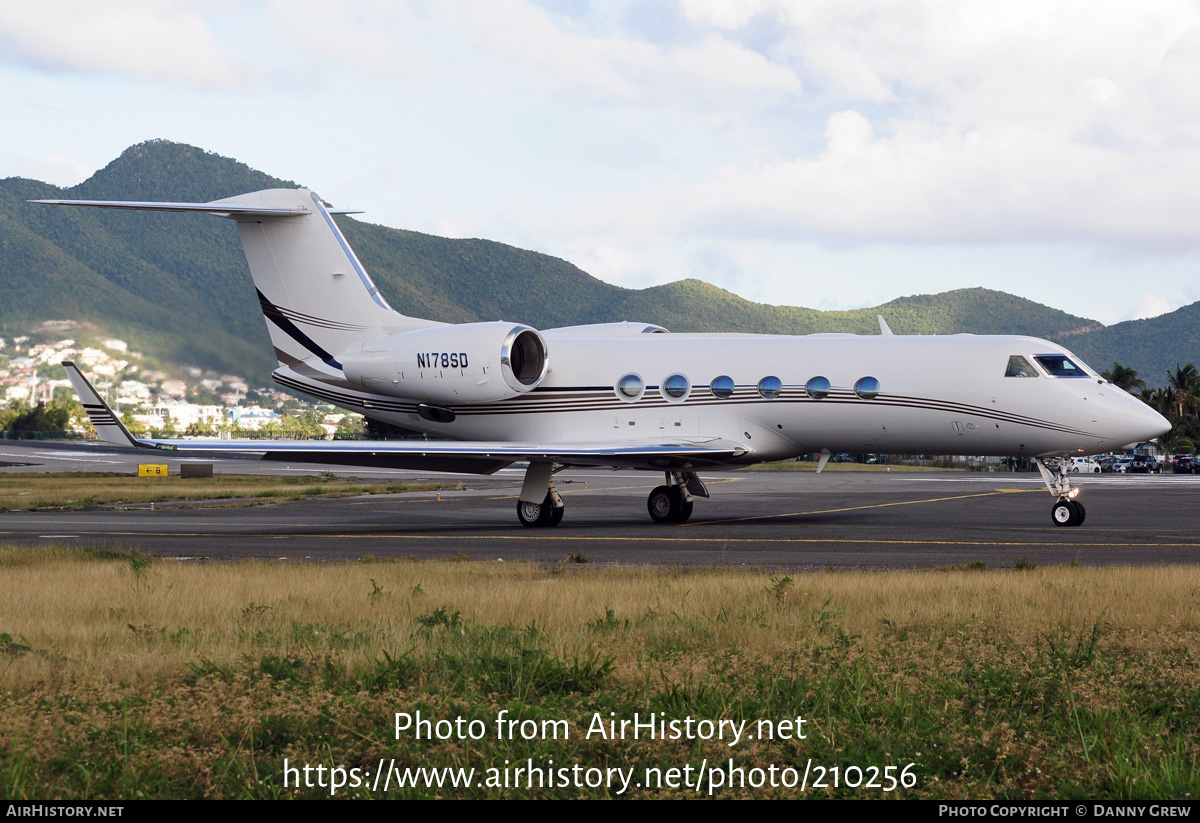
(773, 520)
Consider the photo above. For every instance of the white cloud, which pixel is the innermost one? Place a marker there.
(523, 49)
(1149, 304)
(148, 39)
(65, 171)
(977, 122)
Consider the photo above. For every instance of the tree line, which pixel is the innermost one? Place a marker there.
(1178, 401)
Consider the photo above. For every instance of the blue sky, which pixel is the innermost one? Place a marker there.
(825, 154)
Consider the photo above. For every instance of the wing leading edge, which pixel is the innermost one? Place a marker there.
(219, 208)
(480, 457)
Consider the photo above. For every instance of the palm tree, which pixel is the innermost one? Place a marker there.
(1184, 385)
(1175, 442)
(1124, 377)
(1158, 399)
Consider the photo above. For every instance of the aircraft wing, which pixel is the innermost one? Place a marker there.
(471, 457)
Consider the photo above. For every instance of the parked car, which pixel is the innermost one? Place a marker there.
(1107, 461)
(1143, 464)
(1185, 464)
(1122, 465)
(1080, 465)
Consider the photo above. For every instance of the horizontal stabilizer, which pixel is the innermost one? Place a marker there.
(218, 208)
(108, 426)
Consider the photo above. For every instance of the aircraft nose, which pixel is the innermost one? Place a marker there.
(1142, 423)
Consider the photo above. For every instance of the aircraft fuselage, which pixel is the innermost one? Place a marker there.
(935, 394)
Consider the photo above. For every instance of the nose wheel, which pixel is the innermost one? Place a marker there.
(1068, 513)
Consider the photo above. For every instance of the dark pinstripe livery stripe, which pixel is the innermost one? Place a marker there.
(100, 415)
(276, 316)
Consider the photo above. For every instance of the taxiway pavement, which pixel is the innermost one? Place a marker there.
(768, 519)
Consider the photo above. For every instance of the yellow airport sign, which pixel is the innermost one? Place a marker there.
(152, 470)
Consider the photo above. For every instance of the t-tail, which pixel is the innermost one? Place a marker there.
(318, 300)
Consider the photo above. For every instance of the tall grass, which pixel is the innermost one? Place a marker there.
(121, 675)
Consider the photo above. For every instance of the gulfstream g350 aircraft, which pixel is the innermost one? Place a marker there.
(631, 395)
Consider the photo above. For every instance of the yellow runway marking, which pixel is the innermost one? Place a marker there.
(858, 508)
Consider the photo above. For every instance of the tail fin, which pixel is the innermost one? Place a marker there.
(315, 294)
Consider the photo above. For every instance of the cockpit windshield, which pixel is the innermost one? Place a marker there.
(1018, 366)
(1059, 365)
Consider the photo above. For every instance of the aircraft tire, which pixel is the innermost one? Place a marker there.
(1065, 513)
(685, 511)
(556, 515)
(663, 504)
(1080, 511)
(535, 515)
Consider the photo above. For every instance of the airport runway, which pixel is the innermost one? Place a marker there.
(774, 520)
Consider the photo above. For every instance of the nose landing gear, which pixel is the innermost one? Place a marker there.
(1066, 511)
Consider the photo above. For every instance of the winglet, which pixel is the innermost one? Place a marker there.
(108, 426)
(884, 328)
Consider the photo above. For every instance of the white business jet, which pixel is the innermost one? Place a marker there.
(631, 395)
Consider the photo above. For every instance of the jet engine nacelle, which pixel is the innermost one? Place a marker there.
(466, 363)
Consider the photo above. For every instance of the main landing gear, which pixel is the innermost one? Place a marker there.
(672, 503)
(666, 504)
(541, 514)
(539, 479)
(669, 503)
(1066, 511)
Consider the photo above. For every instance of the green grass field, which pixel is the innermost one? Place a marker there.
(122, 677)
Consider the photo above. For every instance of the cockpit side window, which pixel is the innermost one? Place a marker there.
(1059, 365)
(1018, 366)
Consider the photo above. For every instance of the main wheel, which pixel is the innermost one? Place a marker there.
(661, 505)
(539, 514)
(1080, 511)
(666, 505)
(1066, 513)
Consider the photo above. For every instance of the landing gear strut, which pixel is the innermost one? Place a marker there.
(673, 502)
(1066, 511)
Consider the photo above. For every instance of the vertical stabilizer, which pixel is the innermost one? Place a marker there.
(315, 294)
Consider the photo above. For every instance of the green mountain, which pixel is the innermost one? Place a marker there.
(1150, 346)
(177, 286)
